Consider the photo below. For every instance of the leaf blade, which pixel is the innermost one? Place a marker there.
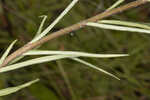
(32, 62)
(11, 90)
(95, 67)
(68, 8)
(75, 53)
(7, 52)
(118, 28)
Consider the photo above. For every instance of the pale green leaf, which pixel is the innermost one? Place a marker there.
(33, 61)
(41, 25)
(119, 28)
(15, 60)
(93, 66)
(7, 52)
(11, 90)
(55, 21)
(73, 53)
(125, 23)
(115, 4)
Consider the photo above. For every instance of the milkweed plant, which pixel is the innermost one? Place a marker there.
(48, 55)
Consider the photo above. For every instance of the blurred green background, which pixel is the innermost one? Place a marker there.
(69, 80)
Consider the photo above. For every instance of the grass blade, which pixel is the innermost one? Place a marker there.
(119, 28)
(73, 53)
(11, 90)
(33, 61)
(7, 52)
(125, 23)
(115, 4)
(41, 25)
(56, 21)
(95, 67)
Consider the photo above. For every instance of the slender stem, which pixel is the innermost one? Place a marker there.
(66, 79)
(74, 27)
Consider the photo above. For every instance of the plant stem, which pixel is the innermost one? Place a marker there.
(67, 82)
(69, 29)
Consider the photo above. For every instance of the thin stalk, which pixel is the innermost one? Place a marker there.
(64, 74)
(116, 4)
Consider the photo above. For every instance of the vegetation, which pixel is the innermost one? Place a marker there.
(67, 79)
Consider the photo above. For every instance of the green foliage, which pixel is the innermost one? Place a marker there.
(7, 52)
(11, 90)
(133, 70)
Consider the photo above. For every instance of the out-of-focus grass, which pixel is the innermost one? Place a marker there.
(86, 83)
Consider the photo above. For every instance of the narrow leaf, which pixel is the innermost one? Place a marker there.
(73, 53)
(119, 28)
(56, 21)
(11, 90)
(125, 23)
(41, 25)
(93, 66)
(115, 4)
(7, 52)
(33, 61)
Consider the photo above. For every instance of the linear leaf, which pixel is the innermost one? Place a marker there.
(7, 52)
(11, 90)
(93, 66)
(56, 21)
(125, 23)
(119, 28)
(41, 25)
(33, 61)
(115, 4)
(82, 54)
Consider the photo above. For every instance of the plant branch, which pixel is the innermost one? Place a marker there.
(69, 29)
